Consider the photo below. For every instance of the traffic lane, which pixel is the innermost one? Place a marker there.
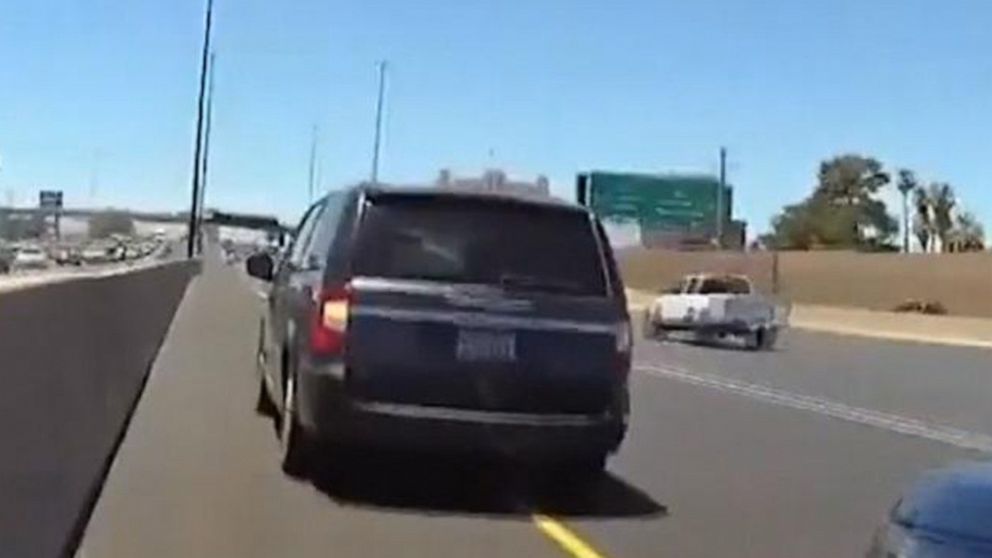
(22, 278)
(934, 383)
(745, 478)
(197, 473)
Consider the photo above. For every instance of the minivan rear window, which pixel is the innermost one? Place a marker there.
(513, 245)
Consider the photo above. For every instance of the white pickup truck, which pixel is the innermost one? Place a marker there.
(710, 306)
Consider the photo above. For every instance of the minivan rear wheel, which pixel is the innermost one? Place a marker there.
(294, 443)
(263, 405)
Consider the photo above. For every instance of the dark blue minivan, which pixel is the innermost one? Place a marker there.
(446, 321)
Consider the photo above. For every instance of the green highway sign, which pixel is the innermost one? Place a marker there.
(657, 202)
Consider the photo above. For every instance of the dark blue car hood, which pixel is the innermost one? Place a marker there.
(950, 507)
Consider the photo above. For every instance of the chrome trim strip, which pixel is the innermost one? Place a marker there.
(486, 417)
(461, 294)
(412, 286)
(481, 319)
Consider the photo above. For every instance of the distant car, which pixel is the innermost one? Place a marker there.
(30, 257)
(450, 322)
(716, 306)
(97, 254)
(946, 514)
(68, 256)
(130, 251)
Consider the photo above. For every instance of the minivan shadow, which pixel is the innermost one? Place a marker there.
(430, 484)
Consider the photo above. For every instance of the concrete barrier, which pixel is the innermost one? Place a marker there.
(74, 357)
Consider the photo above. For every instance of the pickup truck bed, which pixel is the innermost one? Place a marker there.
(703, 306)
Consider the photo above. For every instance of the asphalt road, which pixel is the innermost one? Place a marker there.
(935, 383)
(706, 471)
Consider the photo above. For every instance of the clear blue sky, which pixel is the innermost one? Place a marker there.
(104, 92)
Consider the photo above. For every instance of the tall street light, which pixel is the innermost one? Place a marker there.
(197, 150)
(313, 162)
(206, 151)
(378, 122)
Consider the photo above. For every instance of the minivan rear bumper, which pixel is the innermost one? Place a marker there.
(329, 414)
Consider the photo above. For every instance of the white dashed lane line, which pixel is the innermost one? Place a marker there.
(869, 417)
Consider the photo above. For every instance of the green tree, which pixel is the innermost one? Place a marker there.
(842, 211)
(923, 226)
(106, 223)
(968, 234)
(850, 179)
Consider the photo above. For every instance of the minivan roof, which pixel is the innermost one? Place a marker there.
(377, 190)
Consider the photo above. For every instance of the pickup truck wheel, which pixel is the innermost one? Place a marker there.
(650, 329)
(771, 336)
(755, 340)
(294, 443)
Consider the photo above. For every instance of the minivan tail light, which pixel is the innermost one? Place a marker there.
(330, 322)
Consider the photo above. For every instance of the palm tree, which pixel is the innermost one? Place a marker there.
(906, 183)
(968, 233)
(923, 221)
(942, 204)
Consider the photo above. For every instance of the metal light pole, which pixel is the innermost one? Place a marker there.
(719, 197)
(206, 150)
(313, 162)
(195, 194)
(378, 122)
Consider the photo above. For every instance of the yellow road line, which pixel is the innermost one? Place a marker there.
(564, 537)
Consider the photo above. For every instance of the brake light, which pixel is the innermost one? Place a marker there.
(330, 321)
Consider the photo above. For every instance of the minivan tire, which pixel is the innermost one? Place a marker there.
(295, 444)
(264, 405)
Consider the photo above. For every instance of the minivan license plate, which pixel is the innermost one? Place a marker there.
(482, 345)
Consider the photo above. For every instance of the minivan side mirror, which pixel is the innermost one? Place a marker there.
(260, 266)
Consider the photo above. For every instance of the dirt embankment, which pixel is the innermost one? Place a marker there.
(961, 282)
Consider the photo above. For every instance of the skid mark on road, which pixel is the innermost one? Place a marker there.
(564, 537)
(886, 421)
